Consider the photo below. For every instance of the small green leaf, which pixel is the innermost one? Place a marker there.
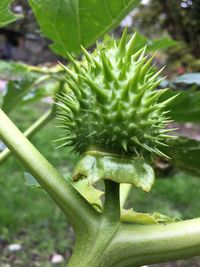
(6, 15)
(144, 218)
(89, 192)
(97, 165)
(30, 180)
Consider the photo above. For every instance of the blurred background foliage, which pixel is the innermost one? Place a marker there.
(27, 215)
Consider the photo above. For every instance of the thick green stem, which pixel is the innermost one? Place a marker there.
(31, 131)
(153, 244)
(112, 202)
(79, 211)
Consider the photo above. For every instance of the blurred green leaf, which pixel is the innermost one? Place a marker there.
(6, 15)
(15, 92)
(30, 180)
(37, 93)
(185, 107)
(144, 218)
(161, 43)
(12, 70)
(27, 84)
(153, 44)
(70, 23)
(185, 154)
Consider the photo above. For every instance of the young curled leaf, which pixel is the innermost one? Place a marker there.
(96, 166)
(89, 192)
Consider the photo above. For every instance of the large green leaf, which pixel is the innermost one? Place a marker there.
(71, 23)
(185, 154)
(6, 16)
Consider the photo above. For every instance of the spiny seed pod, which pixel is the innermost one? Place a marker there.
(113, 105)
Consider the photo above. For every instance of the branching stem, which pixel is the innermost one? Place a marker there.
(79, 211)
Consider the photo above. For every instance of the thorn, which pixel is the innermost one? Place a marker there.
(161, 143)
(91, 134)
(124, 145)
(122, 43)
(136, 152)
(143, 53)
(69, 143)
(146, 66)
(166, 136)
(67, 138)
(73, 87)
(152, 137)
(72, 75)
(156, 95)
(87, 55)
(107, 67)
(137, 55)
(156, 83)
(99, 92)
(159, 153)
(168, 130)
(168, 101)
(129, 47)
(134, 80)
(135, 140)
(69, 102)
(74, 62)
(155, 76)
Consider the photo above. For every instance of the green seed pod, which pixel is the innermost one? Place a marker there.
(113, 105)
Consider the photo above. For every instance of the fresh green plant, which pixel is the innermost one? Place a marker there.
(113, 116)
